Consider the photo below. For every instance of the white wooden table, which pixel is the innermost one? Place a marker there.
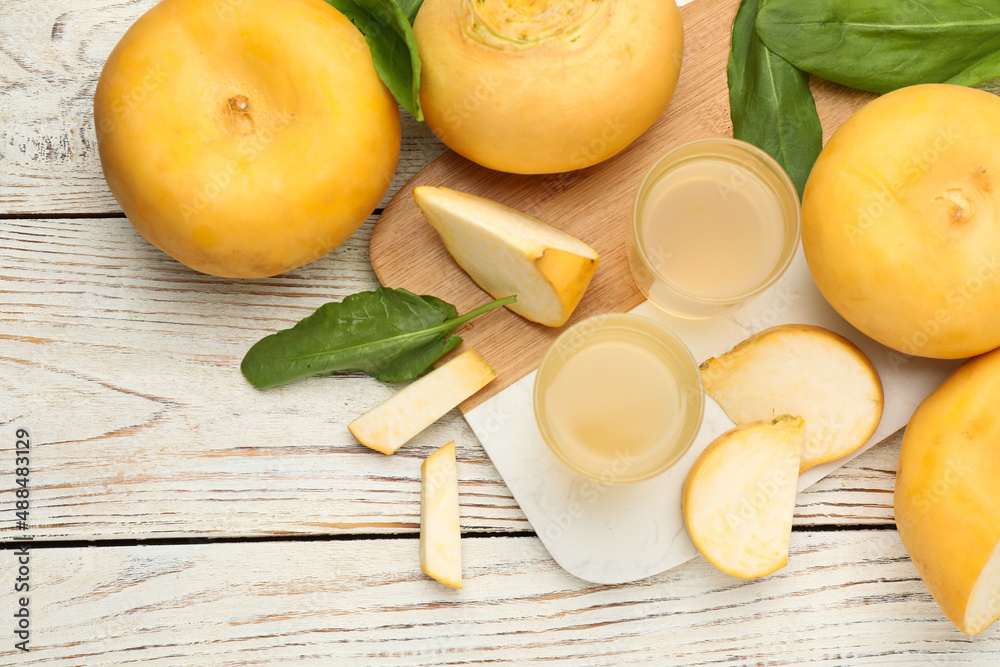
(180, 517)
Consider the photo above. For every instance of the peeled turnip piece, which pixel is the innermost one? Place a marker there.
(739, 497)
(806, 371)
(393, 422)
(440, 531)
(509, 252)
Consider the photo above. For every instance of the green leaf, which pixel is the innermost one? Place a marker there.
(386, 27)
(882, 45)
(390, 334)
(443, 307)
(770, 102)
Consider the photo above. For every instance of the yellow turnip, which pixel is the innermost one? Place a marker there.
(544, 86)
(946, 501)
(901, 221)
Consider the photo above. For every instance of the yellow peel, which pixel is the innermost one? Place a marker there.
(946, 502)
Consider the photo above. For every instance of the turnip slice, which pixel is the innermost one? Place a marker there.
(739, 496)
(440, 532)
(393, 422)
(806, 371)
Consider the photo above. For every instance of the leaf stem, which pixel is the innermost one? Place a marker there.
(462, 319)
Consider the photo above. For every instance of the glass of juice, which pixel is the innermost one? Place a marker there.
(714, 223)
(618, 398)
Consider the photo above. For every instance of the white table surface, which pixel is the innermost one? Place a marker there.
(182, 518)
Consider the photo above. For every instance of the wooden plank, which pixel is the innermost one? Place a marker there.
(846, 598)
(51, 56)
(859, 493)
(129, 446)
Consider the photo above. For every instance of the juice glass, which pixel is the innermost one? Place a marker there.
(618, 398)
(714, 223)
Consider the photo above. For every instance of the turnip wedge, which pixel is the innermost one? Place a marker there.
(508, 252)
(806, 371)
(739, 497)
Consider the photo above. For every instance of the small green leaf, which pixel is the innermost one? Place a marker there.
(390, 334)
(882, 45)
(770, 101)
(386, 27)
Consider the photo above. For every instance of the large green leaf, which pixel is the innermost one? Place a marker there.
(882, 45)
(770, 101)
(386, 27)
(390, 334)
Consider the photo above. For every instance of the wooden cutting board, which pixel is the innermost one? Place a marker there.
(592, 204)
